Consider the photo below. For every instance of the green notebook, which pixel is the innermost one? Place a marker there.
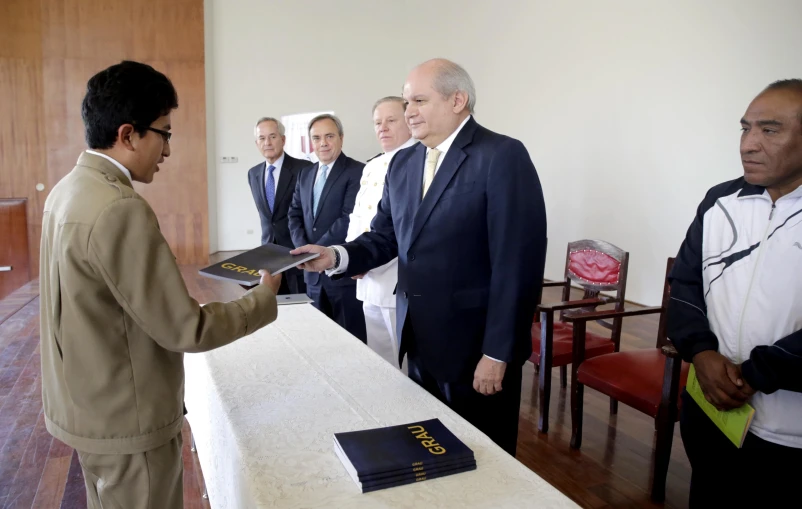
(733, 423)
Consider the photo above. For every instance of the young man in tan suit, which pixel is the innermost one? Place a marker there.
(116, 316)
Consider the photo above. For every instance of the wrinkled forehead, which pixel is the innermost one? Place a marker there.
(775, 105)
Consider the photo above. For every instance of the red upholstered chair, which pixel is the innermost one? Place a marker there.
(596, 266)
(647, 380)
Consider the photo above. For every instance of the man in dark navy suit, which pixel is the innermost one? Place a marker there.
(463, 210)
(272, 184)
(323, 201)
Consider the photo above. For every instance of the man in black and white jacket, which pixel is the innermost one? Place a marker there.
(736, 313)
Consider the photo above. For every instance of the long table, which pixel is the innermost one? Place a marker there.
(264, 410)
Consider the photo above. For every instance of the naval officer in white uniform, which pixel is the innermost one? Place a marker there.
(376, 289)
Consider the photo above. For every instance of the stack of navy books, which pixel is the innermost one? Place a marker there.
(395, 455)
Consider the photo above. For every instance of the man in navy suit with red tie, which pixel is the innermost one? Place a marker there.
(272, 185)
(464, 212)
(320, 213)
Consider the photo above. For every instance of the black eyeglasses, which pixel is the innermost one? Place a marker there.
(165, 134)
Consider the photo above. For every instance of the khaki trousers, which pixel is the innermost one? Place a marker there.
(147, 480)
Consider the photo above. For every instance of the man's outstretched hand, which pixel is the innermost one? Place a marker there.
(322, 263)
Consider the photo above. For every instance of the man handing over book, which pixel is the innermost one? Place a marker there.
(463, 211)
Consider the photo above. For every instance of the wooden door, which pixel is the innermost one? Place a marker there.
(14, 262)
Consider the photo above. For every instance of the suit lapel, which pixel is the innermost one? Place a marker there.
(334, 174)
(260, 189)
(284, 180)
(309, 186)
(414, 178)
(448, 168)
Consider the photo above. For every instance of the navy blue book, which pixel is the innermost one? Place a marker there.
(383, 477)
(401, 480)
(244, 268)
(393, 451)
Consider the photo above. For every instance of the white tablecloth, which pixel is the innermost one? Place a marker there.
(264, 410)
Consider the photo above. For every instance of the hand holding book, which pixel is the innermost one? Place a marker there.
(323, 262)
(734, 423)
(246, 268)
(272, 281)
(721, 381)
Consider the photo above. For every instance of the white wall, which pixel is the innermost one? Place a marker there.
(630, 111)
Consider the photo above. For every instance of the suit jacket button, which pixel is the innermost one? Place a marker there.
(412, 257)
(314, 229)
(405, 295)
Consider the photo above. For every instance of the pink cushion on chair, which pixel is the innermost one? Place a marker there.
(594, 267)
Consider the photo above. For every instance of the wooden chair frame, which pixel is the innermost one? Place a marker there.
(590, 300)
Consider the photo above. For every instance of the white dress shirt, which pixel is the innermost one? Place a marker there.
(115, 162)
(446, 144)
(278, 164)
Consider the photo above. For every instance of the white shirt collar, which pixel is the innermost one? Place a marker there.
(404, 145)
(446, 144)
(115, 162)
(278, 164)
(330, 165)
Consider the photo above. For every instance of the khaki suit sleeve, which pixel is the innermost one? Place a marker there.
(129, 252)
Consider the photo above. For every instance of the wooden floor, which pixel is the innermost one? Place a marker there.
(612, 469)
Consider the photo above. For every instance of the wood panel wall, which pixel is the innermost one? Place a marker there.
(48, 51)
(14, 255)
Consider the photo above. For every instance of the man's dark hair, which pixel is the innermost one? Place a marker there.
(793, 85)
(125, 93)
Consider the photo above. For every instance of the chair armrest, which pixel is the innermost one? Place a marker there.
(554, 283)
(670, 351)
(571, 304)
(602, 315)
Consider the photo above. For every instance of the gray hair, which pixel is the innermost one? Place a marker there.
(325, 116)
(269, 119)
(451, 78)
(390, 98)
